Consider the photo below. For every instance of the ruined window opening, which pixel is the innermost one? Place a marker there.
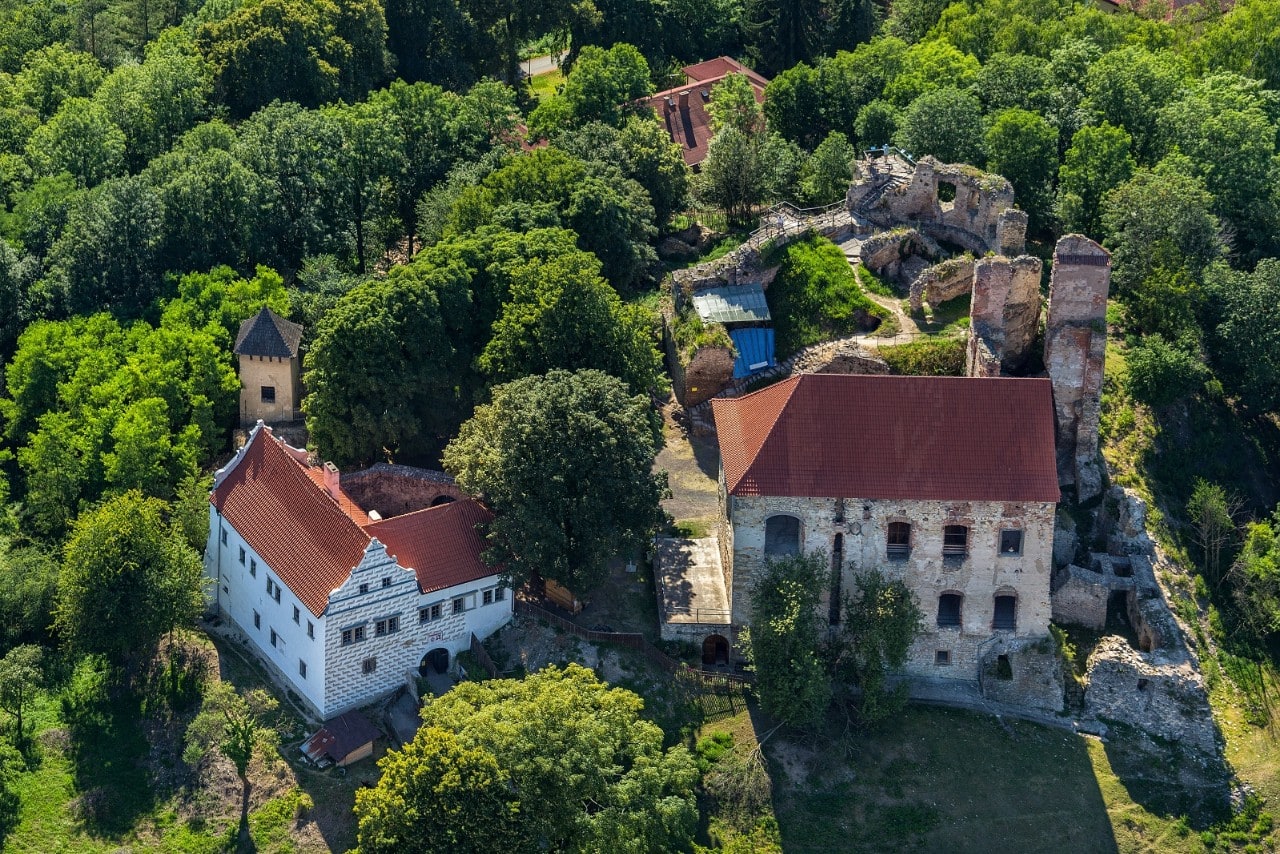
(942, 657)
(898, 542)
(946, 192)
(1011, 542)
(949, 610)
(1004, 670)
(781, 536)
(1006, 614)
(955, 541)
(268, 394)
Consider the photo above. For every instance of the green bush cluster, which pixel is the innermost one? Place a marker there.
(934, 357)
(816, 297)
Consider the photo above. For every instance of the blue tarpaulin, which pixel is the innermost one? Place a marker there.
(755, 351)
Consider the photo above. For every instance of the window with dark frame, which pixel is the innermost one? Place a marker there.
(364, 588)
(429, 613)
(459, 605)
(898, 540)
(955, 541)
(257, 620)
(297, 615)
(242, 555)
(386, 581)
(942, 657)
(949, 610)
(311, 630)
(1011, 542)
(223, 534)
(273, 637)
(347, 637)
(277, 595)
(253, 567)
(268, 394)
(358, 631)
(488, 597)
(369, 665)
(1006, 614)
(499, 594)
(302, 668)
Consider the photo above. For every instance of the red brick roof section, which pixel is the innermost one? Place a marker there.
(441, 544)
(302, 534)
(886, 437)
(714, 69)
(279, 506)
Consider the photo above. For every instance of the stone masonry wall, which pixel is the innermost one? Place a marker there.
(1074, 351)
(394, 490)
(1004, 312)
(979, 577)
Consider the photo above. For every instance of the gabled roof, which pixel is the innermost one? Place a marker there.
(441, 544)
(312, 541)
(268, 334)
(885, 437)
(683, 109)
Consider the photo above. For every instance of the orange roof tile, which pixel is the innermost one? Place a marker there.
(864, 436)
(278, 504)
(441, 544)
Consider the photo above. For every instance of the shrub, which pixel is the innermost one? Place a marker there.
(816, 297)
(933, 357)
(1161, 373)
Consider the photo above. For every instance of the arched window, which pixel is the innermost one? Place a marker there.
(781, 536)
(949, 610)
(1006, 614)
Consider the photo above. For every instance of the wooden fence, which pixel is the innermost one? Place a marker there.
(678, 669)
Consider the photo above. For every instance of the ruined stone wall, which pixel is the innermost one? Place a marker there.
(942, 282)
(1074, 351)
(394, 490)
(979, 576)
(1080, 597)
(1004, 313)
(1029, 676)
(976, 219)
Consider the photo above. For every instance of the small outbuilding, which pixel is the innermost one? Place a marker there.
(345, 739)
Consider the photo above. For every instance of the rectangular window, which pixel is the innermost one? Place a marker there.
(369, 665)
(253, 567)
(242, 555)
(393, 625)
(898, 541)
(311, 630)
(297, 615)
(277, 592)
(488, 597)
(268, 394)
(1006, 614)
(270, 584)
(302, 668)
(499, 594)
(386, 581)
(429, 613)
(364, 588)
(955, 541)
(257, 620)
(459, 605)
(273, 637)
(942, 657)
(1011, 542)
(224, 536)
(380, 628)
(359, 633)
(346, 637)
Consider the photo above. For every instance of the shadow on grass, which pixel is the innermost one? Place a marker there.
(109, 752)
(1168, 781)
(941, 780)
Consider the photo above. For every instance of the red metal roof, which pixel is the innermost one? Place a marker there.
(714, 69)
(441, 544)
(864, 436)
(278, 504)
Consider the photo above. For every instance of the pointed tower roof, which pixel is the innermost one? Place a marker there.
(268, 334)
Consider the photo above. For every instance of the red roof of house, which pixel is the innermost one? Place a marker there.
(441, 544)
(683, 110)
(340, 737)
(279, 505)
(864, 436)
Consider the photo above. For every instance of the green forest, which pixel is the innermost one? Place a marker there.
(383, 173)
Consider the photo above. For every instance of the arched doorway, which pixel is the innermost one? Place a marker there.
(437, 660)
(715, 650)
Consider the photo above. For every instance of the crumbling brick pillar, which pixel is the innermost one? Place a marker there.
(1074, 350)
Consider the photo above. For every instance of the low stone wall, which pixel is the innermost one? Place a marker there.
(942, 282)
(394, 490)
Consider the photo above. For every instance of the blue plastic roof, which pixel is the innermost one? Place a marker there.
(755, 351)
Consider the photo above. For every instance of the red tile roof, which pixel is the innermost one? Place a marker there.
(441, 544)
(278, 504)
(683, 110)
(921, 438)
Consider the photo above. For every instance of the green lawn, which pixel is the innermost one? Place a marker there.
(546, 84)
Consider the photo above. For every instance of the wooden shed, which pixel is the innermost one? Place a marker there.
(345, 739)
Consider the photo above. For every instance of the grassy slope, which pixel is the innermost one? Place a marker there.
(816, 297)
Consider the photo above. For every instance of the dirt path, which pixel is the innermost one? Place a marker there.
(692, 468)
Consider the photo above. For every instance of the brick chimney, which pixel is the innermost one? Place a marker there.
(684, 100)
(331, 480)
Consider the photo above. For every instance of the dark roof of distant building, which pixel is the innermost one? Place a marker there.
(268, 334)
(683, 109)
(886, 437)
(312, 540)
(340, 737)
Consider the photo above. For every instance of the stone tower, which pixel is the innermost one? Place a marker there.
(1075, 343)
(270, 377)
